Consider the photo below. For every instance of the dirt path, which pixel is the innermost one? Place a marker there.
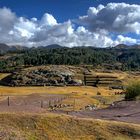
(125, 111)
(34, 103)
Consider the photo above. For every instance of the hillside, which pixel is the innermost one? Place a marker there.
(123, 46)
(118, 58)
(45, 75)
(34, 127)
(53, 46)
(6, 48)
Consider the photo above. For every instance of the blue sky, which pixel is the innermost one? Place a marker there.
(70, 22)
(62, 10)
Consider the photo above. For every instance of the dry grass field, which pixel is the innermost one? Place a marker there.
(125, 77)
(49, 126)
(82, 95)
(4, 90)
(3, 75)
(42, 125)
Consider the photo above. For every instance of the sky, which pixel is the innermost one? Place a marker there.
(99, 23)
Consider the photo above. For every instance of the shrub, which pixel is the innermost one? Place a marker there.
(133, 91)
(98, 93)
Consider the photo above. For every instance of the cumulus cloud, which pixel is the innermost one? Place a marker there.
(114, 17)
(126, 40)
(94, 29)
(7, 19)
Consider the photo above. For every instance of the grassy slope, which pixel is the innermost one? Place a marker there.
(55, 127)
(58, 127)
(3, 75)
(50, 90)
(55, 90)
(82, 95)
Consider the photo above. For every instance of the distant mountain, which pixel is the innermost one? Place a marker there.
(120, 46)
(123, 46)
(53, 46)
(18, 47)
(136, 46)
(5, 48)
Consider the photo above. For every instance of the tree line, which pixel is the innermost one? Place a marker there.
(111, 58)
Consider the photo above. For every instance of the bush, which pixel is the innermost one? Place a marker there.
(133, 91)
(98, 93)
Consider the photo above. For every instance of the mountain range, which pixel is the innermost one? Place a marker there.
(5, 48)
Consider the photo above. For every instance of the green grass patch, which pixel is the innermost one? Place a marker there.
(133, 91)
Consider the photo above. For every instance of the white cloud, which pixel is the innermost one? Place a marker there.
(114, 17)
(48, 20)
(7, 19)
(94, 29)
(25, 27)
(125, 40)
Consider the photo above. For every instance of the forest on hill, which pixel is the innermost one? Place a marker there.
(108, 58)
